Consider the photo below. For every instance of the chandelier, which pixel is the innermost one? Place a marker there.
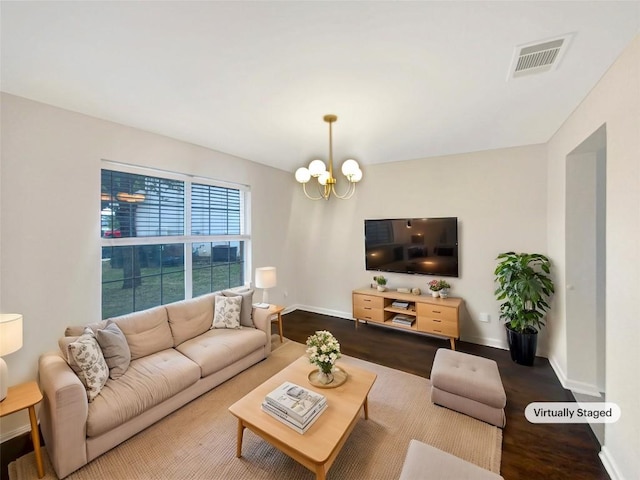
(326, 180)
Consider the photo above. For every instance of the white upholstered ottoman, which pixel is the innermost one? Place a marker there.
(429, 463)
(468, 384)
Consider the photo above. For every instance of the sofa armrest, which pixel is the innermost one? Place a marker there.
(262, 320)
(63, 414)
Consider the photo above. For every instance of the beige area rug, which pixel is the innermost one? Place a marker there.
(199, 440)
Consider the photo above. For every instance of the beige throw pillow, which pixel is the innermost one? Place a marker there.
(94, 372)
(115, 349)
(246, 310)
(227, 312)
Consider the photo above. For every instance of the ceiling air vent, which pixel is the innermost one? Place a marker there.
(538, 57)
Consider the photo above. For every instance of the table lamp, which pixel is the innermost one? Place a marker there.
(10, 341)
(265, 279)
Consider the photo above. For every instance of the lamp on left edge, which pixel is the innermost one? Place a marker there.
(10, 341)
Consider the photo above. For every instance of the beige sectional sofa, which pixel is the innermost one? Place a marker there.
(175, 356)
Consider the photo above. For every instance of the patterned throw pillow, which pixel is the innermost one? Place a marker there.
(94, 372)
(227, 312)
(246, 311)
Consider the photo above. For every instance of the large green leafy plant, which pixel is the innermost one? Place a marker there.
(525, 285)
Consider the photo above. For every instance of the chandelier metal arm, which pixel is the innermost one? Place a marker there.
(348, 194)
(322, 191)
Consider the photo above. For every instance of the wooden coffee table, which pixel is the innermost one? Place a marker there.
(319, 446)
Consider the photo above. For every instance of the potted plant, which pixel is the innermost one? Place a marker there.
(444, 288)
(524, 284)
(434, 286)
(381, 281)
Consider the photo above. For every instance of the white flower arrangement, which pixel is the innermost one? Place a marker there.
(323, 350)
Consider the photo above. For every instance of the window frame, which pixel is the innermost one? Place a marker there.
(187, 239)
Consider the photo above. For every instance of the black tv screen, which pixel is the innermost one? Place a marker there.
(425, 246)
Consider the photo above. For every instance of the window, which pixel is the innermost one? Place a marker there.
(166, 237)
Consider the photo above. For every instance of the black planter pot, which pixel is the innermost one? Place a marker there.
(522, 346)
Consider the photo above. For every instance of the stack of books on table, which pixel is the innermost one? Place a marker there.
(295, 406)
(403, 320)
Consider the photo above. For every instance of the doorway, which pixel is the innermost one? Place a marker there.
(585, 262)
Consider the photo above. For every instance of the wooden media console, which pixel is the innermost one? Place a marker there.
(433, 316)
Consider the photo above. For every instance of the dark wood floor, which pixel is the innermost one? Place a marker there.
(530, 451)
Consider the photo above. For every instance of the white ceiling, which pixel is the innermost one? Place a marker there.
(407, 79)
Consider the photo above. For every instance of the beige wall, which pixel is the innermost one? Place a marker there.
(615, 101)
(499, 197)
(49, 253)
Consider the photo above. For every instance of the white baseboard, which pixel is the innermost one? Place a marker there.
(321, 311)
(4, 436)
(573, 385)
(487, 342)
(609, 464)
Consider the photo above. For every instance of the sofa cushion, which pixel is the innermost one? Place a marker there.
(147, 382)
(219, 348)
(246, 317)
(93, 370)
(227, 312)
(189, 318)
(115, 349)
(146, 331)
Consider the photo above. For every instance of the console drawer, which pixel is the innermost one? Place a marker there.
(438, 326)
(369, 313)
(437, 311)
(368, 301)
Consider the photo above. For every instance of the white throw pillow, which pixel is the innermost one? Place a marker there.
(87, 355)
(227, 312)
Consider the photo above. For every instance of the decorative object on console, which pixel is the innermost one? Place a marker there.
(323, 350)
(416, 291)
(444, 289)
(265, 279)
(381, 281)
(10, 341)
(525, 285)
(434, 286)
(326, 181)
(404, 290)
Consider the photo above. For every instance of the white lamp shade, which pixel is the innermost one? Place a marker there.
(356, 176)
(349, 167)
(303, 175)
(266, 277)
(323, 178)
(10, 333)
(317, 167)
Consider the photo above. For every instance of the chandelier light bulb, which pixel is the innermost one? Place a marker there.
(323, 178)
(356, 176)
(303, 175)
(317, 167)
(349, 167)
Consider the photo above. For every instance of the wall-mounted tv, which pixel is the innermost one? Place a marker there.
(425, 246)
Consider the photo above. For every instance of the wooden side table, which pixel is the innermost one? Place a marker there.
(26, 395)
(277, 310)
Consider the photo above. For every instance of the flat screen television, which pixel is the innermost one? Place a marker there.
(424, 246)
